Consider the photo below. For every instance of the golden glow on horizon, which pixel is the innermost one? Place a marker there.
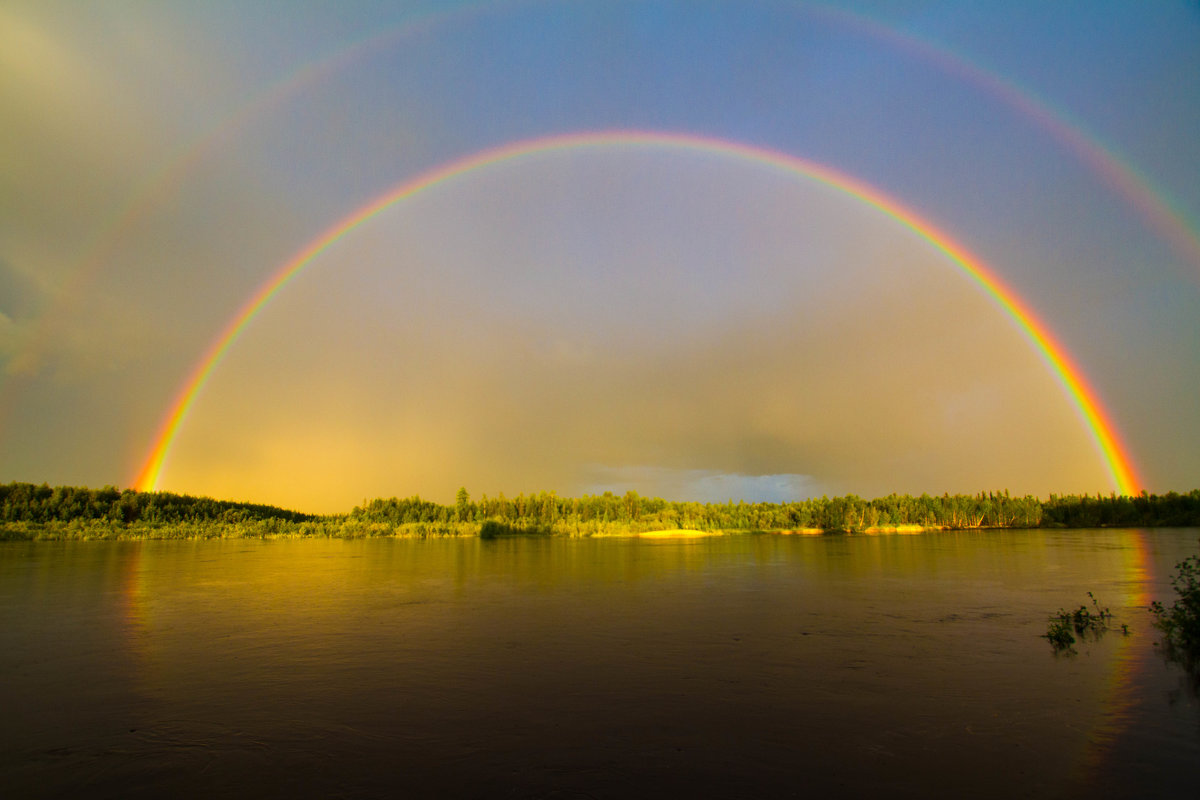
(1097, 422)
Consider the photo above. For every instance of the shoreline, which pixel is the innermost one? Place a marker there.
(74, 532)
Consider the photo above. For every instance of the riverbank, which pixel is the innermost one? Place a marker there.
(76, 532)
(29, 512)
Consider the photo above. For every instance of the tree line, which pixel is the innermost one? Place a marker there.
(548, 511)
(27, 510)
(26, 502)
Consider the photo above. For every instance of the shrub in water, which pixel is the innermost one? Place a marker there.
(1059, 634)
(1082, 621)
(1180, 623)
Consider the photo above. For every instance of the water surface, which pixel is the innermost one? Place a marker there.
(740, 666)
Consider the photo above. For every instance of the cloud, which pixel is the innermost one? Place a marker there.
(20, 301)
(704, 486)
(9, 336)
(20, 294)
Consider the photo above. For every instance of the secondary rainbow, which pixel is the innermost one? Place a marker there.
(1162, 215)
(1116, 457)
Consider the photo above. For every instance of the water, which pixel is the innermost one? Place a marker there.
(741, 666)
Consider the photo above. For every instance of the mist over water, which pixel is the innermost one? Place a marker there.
(724, 666)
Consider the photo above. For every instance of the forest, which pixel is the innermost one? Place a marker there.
(29, 511)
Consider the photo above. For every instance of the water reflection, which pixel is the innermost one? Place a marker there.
(746, 665)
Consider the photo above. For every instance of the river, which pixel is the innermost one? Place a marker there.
(730, 666)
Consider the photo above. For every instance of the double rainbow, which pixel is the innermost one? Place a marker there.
(1098, 423)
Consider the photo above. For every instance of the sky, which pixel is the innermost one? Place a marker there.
(700, 250)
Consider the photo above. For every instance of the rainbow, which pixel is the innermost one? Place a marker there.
(1084, 399)
(105, 241)
(1154, 207)
(1157, 210)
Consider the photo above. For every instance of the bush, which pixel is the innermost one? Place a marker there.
(1059, 634)
(490, 529)
(1180, 623)
(1065, 625)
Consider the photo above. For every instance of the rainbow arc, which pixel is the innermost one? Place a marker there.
(1097, 421)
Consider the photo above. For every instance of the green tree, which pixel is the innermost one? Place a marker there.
(462, 504)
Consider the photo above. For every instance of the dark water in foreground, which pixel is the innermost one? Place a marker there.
(741, 666)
